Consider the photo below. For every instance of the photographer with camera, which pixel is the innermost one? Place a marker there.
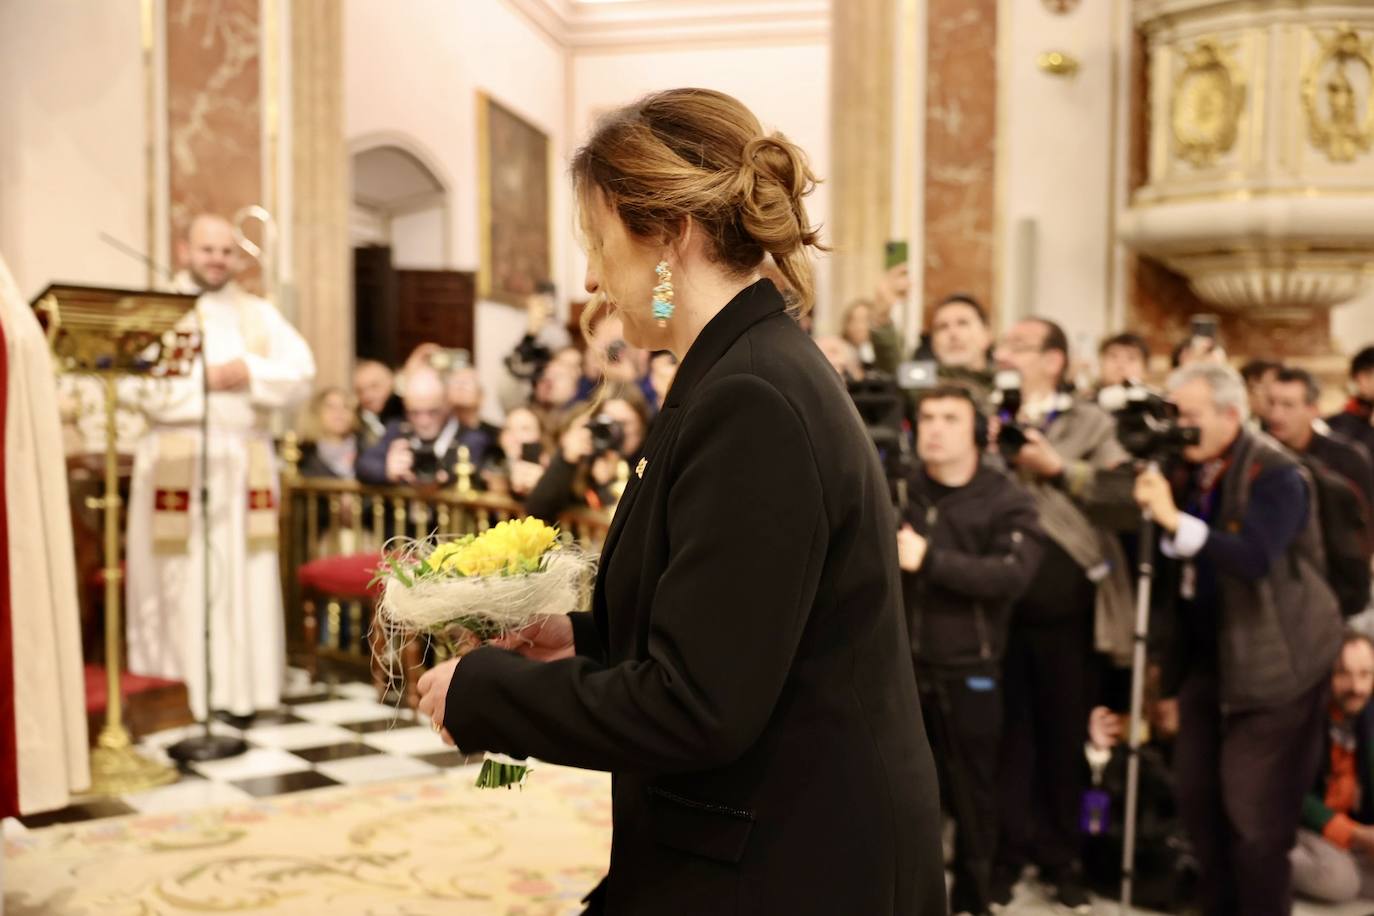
(610, 359)
(516, 465)
(544, 337)
(1258, 629)
(422, 448)
(968, 547)
(1079, 600)
(585, 469)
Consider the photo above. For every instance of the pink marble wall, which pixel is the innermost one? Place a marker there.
(214, 110)
(960, 154)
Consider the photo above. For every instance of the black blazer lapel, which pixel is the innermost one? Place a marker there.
(751, 305)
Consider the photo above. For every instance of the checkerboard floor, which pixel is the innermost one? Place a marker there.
(321, 736)
(341, 735)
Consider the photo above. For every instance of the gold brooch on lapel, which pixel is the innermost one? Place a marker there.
(639, 468)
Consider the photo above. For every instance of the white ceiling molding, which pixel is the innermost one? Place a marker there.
(605, 24)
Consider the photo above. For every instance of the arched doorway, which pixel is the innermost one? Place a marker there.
(399, 226)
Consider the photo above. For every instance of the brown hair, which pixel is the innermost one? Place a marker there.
(701, 154)
(312, 427)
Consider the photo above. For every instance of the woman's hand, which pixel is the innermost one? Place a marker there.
(524, 477)
(606, 468)
(433, 688)
(546, 640)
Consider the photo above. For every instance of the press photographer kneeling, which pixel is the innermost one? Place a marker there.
(968, 547)
(1257, 631)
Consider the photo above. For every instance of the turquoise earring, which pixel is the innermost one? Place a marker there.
(663, 294)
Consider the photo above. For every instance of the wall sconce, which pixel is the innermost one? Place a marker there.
(1057, 63)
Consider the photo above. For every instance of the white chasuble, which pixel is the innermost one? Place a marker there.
(50, 741)
(167, 570)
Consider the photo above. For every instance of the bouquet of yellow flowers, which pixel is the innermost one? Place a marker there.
(463, 591)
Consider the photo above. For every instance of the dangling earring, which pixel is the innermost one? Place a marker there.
(663, 294)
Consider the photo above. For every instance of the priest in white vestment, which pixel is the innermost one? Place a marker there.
(257, 363)
(43, 740)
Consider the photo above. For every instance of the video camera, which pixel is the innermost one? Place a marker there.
(1146, 424)
(881, 406)
(1007, 400)
(607, 434)
(424, 463)
(529, 358)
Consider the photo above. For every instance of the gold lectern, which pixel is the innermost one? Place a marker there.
(112, 333)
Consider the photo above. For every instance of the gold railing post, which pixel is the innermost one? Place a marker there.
(464, 469)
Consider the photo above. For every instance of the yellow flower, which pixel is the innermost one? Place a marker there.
(511, 547)
(522, 540)
(443, 555)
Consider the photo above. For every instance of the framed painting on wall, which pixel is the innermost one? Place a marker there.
(516, 204)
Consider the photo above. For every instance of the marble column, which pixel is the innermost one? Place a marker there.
(319, 189)
(861, 136)
(214, 111)
(960, 150)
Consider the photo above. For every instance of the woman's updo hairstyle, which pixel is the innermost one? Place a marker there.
(701, 154)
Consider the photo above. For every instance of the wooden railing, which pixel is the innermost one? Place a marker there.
(323, 518)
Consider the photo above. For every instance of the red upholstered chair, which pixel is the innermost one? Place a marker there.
(348, 578)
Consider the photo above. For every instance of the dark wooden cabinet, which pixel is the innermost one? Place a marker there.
(374, 304)
(434, 306)
(397, 310)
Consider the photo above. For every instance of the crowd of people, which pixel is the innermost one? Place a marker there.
(1017, 544)
(551, 452)
(1018, 547)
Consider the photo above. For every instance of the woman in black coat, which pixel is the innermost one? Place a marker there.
(744, 672)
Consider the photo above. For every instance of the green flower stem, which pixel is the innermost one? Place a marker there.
(495, 775)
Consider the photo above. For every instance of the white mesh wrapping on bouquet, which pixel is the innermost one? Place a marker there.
(496, 604)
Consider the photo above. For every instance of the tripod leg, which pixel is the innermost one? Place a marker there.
(1145, 567)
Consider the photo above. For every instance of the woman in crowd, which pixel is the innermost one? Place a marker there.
(331, 442)
(515, 467)
(586, 469)
(857, 330)
(745, 671)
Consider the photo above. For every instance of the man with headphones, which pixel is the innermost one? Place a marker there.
(968, 546)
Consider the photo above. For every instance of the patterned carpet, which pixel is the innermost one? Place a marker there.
(433, 845)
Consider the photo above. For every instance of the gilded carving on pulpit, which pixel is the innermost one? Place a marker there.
(515, 204)
(1338, 95)
(1208, 98)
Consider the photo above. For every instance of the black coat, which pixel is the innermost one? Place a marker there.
(1348, 458)
(984, 546)
(744, 672)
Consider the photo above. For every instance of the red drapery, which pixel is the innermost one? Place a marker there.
(9, 745)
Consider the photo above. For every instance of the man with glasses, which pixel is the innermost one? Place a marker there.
(422, 448)
(1079, 600)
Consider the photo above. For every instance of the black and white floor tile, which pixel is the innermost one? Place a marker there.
(341, 735)
(322, 736)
